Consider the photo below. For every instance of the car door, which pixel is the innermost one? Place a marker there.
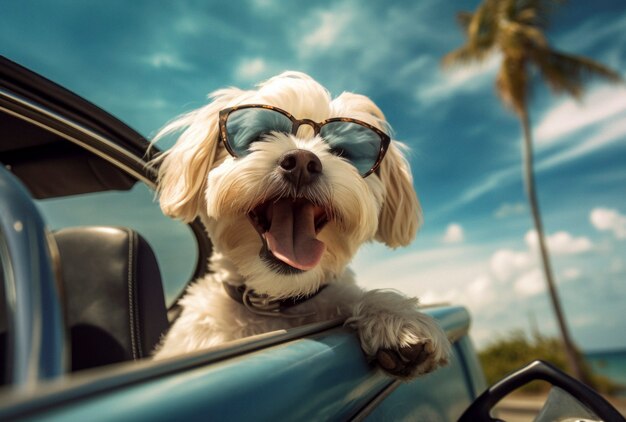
(59, 150)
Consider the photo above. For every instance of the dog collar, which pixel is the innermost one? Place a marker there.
(261, 304)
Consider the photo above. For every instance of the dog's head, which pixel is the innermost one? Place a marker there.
(289, 181)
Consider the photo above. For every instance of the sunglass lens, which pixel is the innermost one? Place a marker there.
(247, 125)
(356, 143)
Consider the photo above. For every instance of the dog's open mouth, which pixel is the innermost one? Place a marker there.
(288, 228)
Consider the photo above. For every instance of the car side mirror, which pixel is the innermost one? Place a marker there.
(569, 399)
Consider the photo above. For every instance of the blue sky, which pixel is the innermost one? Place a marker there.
(149, 61)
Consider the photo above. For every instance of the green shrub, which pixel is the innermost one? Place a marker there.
(508, 354)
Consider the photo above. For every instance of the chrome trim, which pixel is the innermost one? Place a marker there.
(83, 130)
(373, 404)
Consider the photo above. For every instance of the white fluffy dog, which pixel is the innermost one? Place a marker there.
(287, 203)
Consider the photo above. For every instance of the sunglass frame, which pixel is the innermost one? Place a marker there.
(385, 140)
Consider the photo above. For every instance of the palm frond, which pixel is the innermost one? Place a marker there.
(482, 29)
(528, 16)
(536, 12)
(465, 55)
(516, 29)
(517, 35)
(512, 84)
(569, 73)
(464, 19)
(480, 32)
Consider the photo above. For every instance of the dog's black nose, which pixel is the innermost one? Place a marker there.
(300, 167)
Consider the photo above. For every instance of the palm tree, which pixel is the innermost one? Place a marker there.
(515, 30)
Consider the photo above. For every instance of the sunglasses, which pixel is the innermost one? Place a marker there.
(357, 142)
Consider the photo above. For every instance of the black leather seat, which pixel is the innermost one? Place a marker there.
(115, 307)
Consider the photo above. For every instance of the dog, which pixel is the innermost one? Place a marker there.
(289, 183)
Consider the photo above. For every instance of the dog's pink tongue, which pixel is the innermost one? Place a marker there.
(291, 237)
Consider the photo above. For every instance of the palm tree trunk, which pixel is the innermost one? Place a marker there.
(529, 181)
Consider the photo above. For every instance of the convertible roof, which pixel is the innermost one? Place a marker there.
(48, 164)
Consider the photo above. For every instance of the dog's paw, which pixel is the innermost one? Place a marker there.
(410, 361)
(403, 341)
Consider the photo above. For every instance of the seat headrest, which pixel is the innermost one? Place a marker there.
(113, 292)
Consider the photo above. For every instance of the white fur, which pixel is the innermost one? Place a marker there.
(198, 178)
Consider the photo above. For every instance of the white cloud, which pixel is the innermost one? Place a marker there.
(263, 4)
(496, 180)
(481, 292)
(412, 69)
(432, 297)
(327, 31)
(571, 115)
(583, 320)
(251, 68)
(606, 134)
(617, 266)
(504, 263)
(605, 219)
(593, 32)
(350, 30)
(499, 288)
(471, 78)
(560, 243)
(507, 210)
(454, 234)
(487, 283)
(571, 274)
(167, 60)
(438, 271)
(602, 116)
(484, 282)
(530, 283)
(602, 113)
(602, 136)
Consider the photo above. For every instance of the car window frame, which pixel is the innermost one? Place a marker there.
(41, 102)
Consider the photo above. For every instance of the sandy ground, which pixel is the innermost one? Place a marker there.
(520, 408)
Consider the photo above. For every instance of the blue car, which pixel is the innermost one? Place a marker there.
(82, 306)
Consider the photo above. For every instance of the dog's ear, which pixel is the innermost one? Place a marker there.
(401, 215)
(184, 168)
